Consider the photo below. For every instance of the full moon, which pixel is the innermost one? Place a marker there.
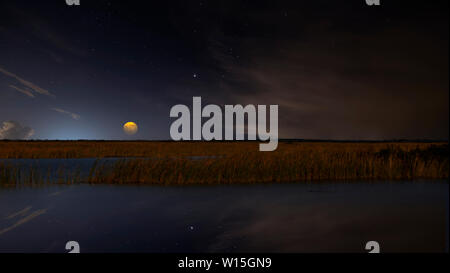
(130, 128)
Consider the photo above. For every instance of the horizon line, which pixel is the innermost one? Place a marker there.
(279, 140)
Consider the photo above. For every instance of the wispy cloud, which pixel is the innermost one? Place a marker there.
(23, 91)
(26, 83)
(14, 130)
(73, 115)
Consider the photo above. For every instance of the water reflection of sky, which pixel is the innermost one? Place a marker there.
(50, 168)
(257, 218)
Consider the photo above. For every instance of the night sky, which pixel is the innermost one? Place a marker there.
(337, 69)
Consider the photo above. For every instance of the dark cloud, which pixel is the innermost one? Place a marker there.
(14, 130)
(383, 84)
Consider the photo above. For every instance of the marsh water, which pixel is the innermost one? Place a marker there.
(325, 217)
(50, 168)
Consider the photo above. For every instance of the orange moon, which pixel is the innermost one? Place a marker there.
(130, 128)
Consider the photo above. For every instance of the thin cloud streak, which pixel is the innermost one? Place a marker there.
(26, 83)
(23, 91)
(73, 115)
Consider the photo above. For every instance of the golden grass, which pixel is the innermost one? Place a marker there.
(103, 149)
(167, 163)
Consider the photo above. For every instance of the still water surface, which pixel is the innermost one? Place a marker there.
(328, 217)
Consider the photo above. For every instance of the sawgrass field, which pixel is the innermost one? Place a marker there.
(188, 163)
